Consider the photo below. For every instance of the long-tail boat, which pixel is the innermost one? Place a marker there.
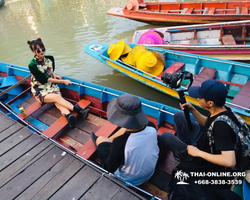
(183, 12)
(235, 75)
(17, 102)
(227, 40)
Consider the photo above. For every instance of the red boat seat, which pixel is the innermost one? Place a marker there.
(205, 74)
(62, 121)
(184, 11)
(173, 68)
(211, 11)
(188, 11)
(242, 98)
(89, 148)
(31, 109)
(244, 10)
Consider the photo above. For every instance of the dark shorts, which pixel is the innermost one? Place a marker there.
(104, 151)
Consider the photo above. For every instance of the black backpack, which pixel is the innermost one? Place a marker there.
(242, 139)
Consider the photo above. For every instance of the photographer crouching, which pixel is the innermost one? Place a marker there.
(198, 149)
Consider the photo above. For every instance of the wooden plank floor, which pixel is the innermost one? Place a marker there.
(33, 168)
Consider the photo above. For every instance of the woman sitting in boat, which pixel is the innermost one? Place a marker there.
(44, 83)
(132, 152)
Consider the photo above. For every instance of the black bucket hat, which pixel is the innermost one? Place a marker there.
(126, 111)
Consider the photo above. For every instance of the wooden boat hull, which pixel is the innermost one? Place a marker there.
(204, 39)
(185, 12)
(47, 120)
(99, 51)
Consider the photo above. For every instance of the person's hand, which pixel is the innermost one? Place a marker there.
(193, 151)
(67, 82)
(58, 77)
(190, 107)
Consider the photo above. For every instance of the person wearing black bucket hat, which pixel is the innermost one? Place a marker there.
(196, 149)
(132, 152)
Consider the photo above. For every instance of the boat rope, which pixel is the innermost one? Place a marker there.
(76, 155)
(228, 103)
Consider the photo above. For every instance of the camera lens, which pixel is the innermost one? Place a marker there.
(166, 78)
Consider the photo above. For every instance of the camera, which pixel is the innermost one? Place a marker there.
(173, 80)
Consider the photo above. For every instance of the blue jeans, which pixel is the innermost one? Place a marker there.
(178, 143)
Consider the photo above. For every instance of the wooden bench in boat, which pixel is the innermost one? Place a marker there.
(176, 66)
(238, 10)
(211, 11)
(29, 110)
(187, 11)
(62, 121)
(243, 96)
(208, 11)
(89, 148)
(228, 39)
(205, 74)
(244, 10)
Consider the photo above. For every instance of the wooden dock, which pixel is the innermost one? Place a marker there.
(34, 168)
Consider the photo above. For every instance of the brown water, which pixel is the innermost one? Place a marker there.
(66, 27)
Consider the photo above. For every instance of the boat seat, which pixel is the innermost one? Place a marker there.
(187, 11)
(176, 66)
(29, 110)
(211, 11)
(184, 11)
(238, 10)
(244, 10)
(62, 121)
(205, 11)
(89, 148)
(205, 74)
(208, 11)
(228, 39)
(243, 96)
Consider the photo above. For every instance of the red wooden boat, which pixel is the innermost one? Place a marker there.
(19, 104)
(183, 12)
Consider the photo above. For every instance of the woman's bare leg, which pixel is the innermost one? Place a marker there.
(57, 98)
(63, 110)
